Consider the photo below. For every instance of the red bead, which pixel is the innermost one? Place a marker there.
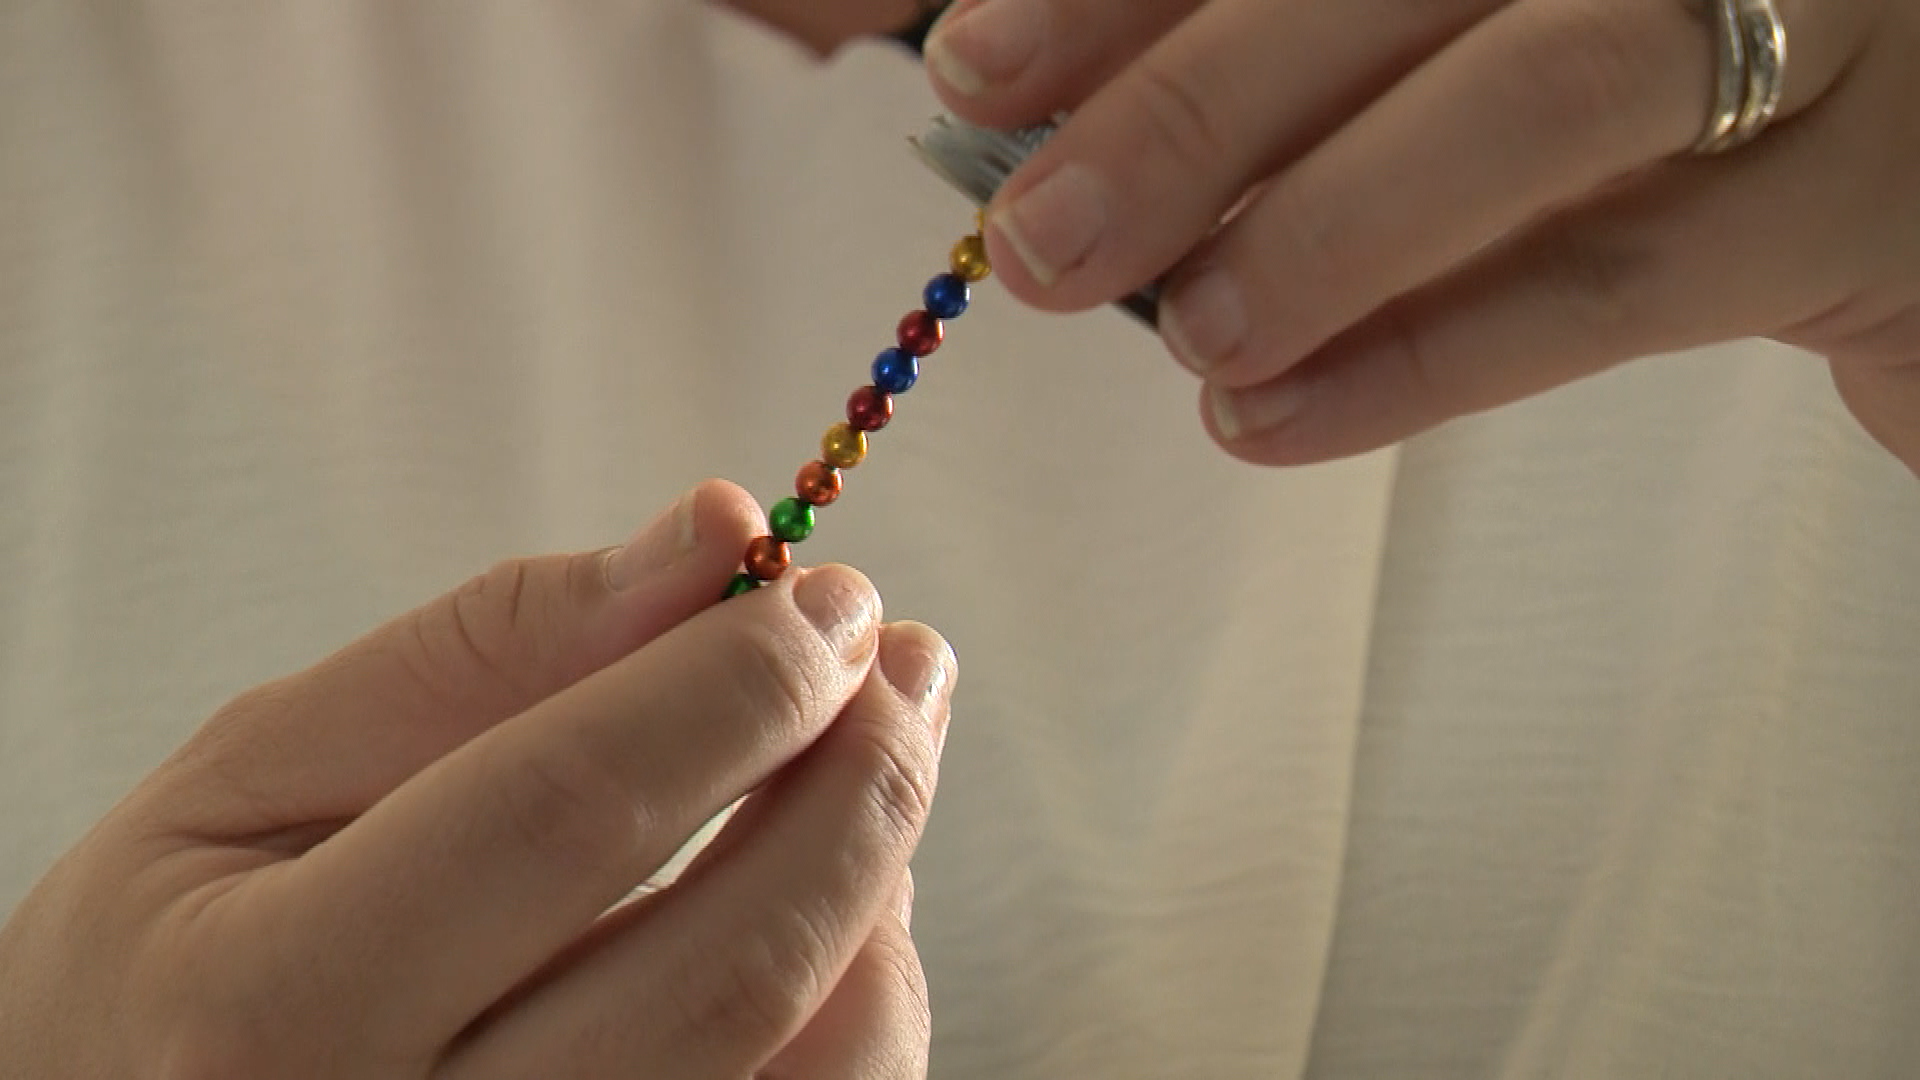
(920, 333)
(818, 483)
(869, 409)
(768, 557)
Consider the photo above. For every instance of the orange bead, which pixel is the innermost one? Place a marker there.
(843, 447)
(768, 557)
(818, 483)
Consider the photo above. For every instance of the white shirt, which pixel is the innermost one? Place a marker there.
(1577, 740)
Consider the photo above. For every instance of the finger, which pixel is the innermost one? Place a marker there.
(1712, 251)
(877, 1023)
(905, 899)
(1149, 165)
(744, 820)
(1540, 104)
(729, 964)
(1009, 63)
(471, 875)
(824, 27)
(326, 744)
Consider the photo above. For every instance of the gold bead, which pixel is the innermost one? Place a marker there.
(842, 447)
(970, 259)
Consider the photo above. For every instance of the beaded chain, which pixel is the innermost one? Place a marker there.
(869, 408)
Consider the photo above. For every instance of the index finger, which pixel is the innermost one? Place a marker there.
(1149, 165)
(1533, 109)
(475, 873)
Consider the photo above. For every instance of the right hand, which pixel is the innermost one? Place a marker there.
(405, 862)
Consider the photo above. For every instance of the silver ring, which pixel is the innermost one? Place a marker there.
(1765, 35)
(1750, 54)
(1729, 75)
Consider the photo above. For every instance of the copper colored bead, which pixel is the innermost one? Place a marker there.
(920, 333)
(768, 557)
(818, 483)
(869, 408)
(843, 447)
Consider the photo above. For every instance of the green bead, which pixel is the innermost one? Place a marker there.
(741, 583)
(791, 520)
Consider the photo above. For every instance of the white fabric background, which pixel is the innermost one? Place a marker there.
(1580, 740)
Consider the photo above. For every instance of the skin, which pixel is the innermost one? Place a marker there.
(1380, 216)
(405, 861)
(825, 25)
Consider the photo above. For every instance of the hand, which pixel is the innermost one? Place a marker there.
(825, 25)
(401, 863)
(1449, 205)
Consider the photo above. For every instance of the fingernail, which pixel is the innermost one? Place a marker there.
(1204, 320)
(917, 661)
(919, 664)
(987, 46)
(1057, 223)
(654, 548)
(1238, 414)
(842, 605)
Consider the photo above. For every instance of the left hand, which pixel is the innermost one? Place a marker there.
(408, 862)
(1447, 205)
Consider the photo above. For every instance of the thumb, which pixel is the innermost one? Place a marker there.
(329, 742)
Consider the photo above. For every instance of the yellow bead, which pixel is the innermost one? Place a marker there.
(970, 259)
(842, 447)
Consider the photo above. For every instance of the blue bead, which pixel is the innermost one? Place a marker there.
(946, 296)
(895, 371)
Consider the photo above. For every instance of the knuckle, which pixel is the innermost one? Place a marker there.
(900, 966)
(263, 724)
(1594, 282)
(565, 802)
(765, 985)
(1180, 115)
(775, 681)
(277, 706)
(272, 702)
(896, 764)
(484, 614)
(1313, 254)
(1584, 68)
(475, 635)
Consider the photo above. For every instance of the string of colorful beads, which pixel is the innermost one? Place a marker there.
(869, 409)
